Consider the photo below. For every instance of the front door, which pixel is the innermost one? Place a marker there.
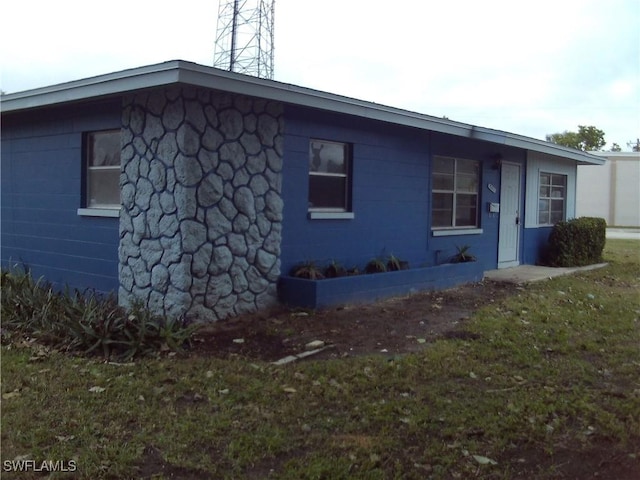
(509, 235)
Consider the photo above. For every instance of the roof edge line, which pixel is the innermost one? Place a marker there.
(189, 73)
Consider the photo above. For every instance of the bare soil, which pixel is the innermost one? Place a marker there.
(392, 327)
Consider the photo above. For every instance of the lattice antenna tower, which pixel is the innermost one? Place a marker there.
(244, 37)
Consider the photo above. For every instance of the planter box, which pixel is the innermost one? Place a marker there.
(368, 288)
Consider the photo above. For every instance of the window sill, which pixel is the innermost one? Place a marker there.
(456, 231)
(99, 212)
(331, 215)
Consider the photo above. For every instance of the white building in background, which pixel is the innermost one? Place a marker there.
(612, 190)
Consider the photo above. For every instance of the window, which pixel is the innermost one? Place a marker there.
(103, 169)
(329, 187)
(455, 193)
(552, 198)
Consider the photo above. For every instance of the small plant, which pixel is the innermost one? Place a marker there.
(394, 264)
(375, 265)
(307, 270)
(353, 271)
(463, 255)
(335, 270)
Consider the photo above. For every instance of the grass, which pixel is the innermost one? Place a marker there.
(550, 388)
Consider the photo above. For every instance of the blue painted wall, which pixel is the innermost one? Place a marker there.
(389, 196)
(41, 190)
(391, 193)
(484, 246)
(535, 241)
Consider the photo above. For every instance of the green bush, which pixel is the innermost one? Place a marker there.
(84, 323)
(577, 242)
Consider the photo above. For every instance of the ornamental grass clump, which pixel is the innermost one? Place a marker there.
(462, 255)
(394, 264)
(335, 270)
(307, 270)
(87, 323)
(375, 265)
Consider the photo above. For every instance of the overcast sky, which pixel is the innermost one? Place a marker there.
(527, 67)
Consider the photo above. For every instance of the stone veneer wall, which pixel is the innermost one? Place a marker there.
(201, 221)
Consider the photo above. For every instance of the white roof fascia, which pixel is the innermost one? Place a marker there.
(92, 87)
(533, 144)
(181, 72)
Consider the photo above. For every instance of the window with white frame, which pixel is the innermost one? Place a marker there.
(552, 198)
(455, 193)
(103, 169)
(329, 176)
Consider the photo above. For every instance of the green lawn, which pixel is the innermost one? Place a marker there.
(549, 389)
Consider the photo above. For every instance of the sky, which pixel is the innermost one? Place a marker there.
(527, 67)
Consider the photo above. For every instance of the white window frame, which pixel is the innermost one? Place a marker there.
(333, 213)
(551, 198)
(539, 162)
(456, 229)
(97, 209)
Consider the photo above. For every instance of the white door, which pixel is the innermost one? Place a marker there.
(510, 217)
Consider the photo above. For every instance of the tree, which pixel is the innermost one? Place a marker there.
(586, 138)
(615, 148)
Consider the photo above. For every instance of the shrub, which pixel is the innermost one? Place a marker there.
(85, 323)
(577, 242)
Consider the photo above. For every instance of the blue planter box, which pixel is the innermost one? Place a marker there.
(368, 288)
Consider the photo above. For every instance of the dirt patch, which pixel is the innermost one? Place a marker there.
(601, 461)
(392, 327)
(152, 465)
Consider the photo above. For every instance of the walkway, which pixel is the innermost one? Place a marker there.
(624, 233)
(533, 273)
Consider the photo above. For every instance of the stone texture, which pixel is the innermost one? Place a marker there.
(202, 209)
(244, 201)
(273, 208)
(217, 223)
(212, 139)
(231, 124)
(188, 170)
(160, 278)
(193, 234)
(264, 261)
(158, 175)
(210, 191)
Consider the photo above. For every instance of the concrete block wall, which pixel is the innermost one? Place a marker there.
(41, 191)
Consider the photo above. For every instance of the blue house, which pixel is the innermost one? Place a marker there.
(196, 190)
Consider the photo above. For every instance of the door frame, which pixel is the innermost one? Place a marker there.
(520, 216)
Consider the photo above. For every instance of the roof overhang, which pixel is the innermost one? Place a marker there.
(180, 72)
